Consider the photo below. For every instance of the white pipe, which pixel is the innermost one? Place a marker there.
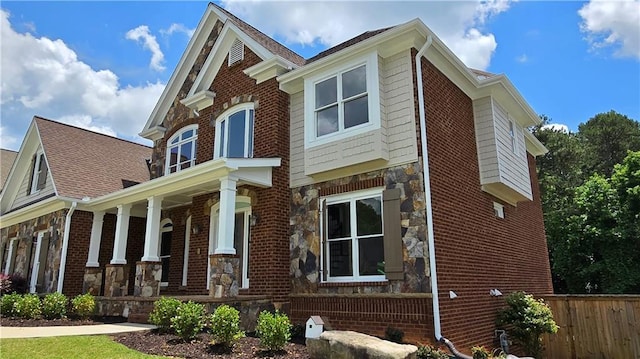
(65, 245)
(427, 191)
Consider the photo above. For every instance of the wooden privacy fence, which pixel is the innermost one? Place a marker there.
(594, 327)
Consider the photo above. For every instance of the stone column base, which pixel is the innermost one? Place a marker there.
(116, 282)
(148, 276)
(92, 282)
(225, 275)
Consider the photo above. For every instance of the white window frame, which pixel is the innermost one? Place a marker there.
(373, 92)
(512, 134)
(194, 139)
(7, 265)
(185, 257)
(352, 197)
(249, 130)
(36, 172)
(36, 262)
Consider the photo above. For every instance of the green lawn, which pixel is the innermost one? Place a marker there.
(74, 347)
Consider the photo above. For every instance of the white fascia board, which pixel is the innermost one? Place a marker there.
(18, 170)
(534, 146)
(199, 100)
(268, 69)
(35, 210)
(253, 162)
(155, 133)
(198, 40)
(230, 32)
(501, 86)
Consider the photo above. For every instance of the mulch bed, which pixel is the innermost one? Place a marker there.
(153, 342)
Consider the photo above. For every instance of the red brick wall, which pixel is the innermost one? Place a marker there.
(475, 251)
(79, 236)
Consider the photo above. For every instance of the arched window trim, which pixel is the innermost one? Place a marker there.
(222, 131)
(178, 165)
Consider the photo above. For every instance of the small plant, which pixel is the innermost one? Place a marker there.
(18, 284)
(54, 305)
(189, 320)
(480, 353)
(393, 334)
(5, 284)
(274, 330)
(298, 333)
(429, 352)
(163, 310)
(83, 305)
(28, 307)
(526, 319)
(7, 303)
(225, 326)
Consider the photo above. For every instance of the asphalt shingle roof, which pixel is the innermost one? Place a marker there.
(6, 162)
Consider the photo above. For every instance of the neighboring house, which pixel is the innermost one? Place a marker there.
(6, 161)
(353, 185)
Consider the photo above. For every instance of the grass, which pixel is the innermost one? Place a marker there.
(72, 347)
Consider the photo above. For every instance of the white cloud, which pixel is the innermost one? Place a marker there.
(149, 42)
(556, 127)
(8, 141)
(178, 28)
(613, 23)
(44, 77)
(458, 23)
(522, 58)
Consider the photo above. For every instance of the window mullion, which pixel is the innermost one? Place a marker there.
(354, 240)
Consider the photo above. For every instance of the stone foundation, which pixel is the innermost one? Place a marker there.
(225, 276)
(116, 281)
(92, 282)
(148, 276)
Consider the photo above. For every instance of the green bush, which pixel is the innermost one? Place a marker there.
(83, 305)
(163, 310)
(274, 330)
(7, 303)
(225, 326)
(525, 320)
(189, 320)
(429, 352)
(28, 307)
(393, 334)
(480, 353)
(54, 305)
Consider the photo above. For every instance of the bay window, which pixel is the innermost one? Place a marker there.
(234, 133)
(181, 149)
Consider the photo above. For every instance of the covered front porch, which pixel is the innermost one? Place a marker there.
(197, 225)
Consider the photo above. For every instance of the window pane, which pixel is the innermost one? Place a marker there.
(340, 259)
(235, 147)
(238, 232)
(222, 149)
(185, 152)
(165, 244)
(371, 256)
(173, 158)
(187, 134)
(250, 151)
(356, 112)
(326, 92)
(175, 140)
(164, 277)
(338, 216)
(354, 82)
(369, 216)
(327, 120)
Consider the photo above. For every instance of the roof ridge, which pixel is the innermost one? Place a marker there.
(348, 43)
(93, 132)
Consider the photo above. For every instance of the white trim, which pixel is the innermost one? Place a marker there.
(35, 174)
(311, 139)
(498, 209)
(268, 69)
(249, 130)
(9, 255)
(65, 246)
(199, 100)
(36, 262)
(193, 139)
(351, 198)
(185, 256)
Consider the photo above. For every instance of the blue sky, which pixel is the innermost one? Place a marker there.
(103, 65)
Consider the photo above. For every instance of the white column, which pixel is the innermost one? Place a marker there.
(96, 236)
(152, 232)
(226, 219)
(122, 232)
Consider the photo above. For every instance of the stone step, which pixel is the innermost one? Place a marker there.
(140, 318)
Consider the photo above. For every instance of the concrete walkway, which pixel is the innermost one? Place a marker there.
(36, 332)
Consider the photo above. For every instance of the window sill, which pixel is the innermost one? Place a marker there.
(354, 284)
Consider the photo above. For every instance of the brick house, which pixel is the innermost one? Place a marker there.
(380, 183)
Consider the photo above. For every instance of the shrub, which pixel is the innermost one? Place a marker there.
(5, 284)
(83, 305)
(479, 353)
(7, 303)
(18, 284)
(225, 326)
(394, 335)
(274, 330)
(54, 305)
(429, 352)
(526, 319)
(163, 310)
(28, 306)
(189, 320)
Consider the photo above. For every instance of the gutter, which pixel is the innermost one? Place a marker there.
(65, 245)
(427, 191)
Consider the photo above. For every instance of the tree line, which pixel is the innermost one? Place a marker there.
(590, 192)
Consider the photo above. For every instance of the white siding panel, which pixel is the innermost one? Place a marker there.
(296, 157)
(486, 140)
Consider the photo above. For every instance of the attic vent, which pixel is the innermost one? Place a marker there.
(236, 53)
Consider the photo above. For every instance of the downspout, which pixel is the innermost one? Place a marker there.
(65, 245)
(427, 190)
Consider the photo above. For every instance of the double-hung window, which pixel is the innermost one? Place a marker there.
(234, 133)
(354, 244)
(181, 149)
(39, 173)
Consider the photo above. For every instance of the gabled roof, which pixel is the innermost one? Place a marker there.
(344, 45)
(6, 161)
(83, 163)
